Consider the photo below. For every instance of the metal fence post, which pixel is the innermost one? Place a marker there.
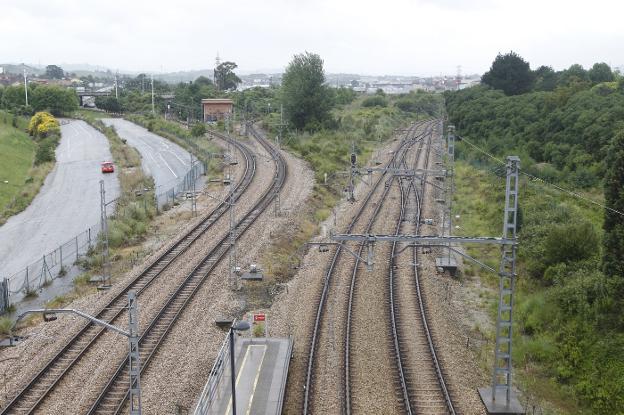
(27, 283)
(61, 255)
(133, 355)
(4, 295)
(89, 241)
(77, 244)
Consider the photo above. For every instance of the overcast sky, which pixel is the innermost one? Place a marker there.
(408, 37)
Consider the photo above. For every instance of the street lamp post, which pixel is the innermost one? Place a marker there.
(132, 334)
(238, 326)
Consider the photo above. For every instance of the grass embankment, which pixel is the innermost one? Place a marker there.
(328, 153)
(20, 176)
(565, 354)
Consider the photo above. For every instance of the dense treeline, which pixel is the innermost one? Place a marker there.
(566, 126)
(52, 98)
(562, 134)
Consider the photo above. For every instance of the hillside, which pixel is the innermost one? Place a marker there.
(569, 333)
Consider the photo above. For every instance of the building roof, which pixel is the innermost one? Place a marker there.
(217, 101)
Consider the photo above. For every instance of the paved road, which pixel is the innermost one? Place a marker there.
(165, 161)
(67, 204)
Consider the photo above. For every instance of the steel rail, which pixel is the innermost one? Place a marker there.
(320, 309)
(410, 406)
(41, 385)
(115, 394)
(349, 331)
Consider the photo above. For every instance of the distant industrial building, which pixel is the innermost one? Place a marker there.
(217, 108)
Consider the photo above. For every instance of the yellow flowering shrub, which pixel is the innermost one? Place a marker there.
(43, 124)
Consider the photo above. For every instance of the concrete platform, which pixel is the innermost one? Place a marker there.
(500, 405)
(262, 369)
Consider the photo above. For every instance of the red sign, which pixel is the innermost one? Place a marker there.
(259, 317)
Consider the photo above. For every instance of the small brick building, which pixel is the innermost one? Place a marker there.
(217, 108)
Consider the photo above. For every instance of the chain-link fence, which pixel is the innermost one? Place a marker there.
(184, 188)
(54, 264)
(66, 258)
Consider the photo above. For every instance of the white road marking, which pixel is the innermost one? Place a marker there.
(176, 156)
(167, 164)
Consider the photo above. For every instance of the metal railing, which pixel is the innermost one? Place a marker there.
(209, 393)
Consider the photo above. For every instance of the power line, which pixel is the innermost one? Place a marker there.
(539, 179)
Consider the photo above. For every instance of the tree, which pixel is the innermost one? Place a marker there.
(509, 73)
(14, 96)
(613, 255)
(600, 72)
(203, 81)
(304, 93)
(375, 101)
(109, 104)
(54, 72)
(573, 75)
(55, 99)
(225, 78)
(545, 79)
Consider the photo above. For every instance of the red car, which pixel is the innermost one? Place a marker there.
(108, 167)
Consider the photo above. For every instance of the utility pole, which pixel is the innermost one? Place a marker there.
(152, 78)
(116, 83)
(133, 355)
(451, 159)
(501, 395)
(104, 230)
(352, 173)
(233, 279)
(26, 86)
(193, 196)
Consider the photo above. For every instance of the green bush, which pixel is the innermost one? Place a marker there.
(375, 101)
(570, 242)
(46, 150)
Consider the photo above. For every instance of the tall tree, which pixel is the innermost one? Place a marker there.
(225, 78)
(509, 73)
(305, 96)
(545, 79)
(613, 255)
(573, 75)
(54, 72)
(55, 99)
(601, 72)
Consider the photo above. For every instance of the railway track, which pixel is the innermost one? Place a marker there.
(422, 388)
(29, 398)
(359, 356)
(115, 394)
(328, 281)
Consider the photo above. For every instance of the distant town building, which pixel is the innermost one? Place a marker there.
(217, 108)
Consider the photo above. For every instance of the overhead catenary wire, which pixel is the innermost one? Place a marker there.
(539, 179)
